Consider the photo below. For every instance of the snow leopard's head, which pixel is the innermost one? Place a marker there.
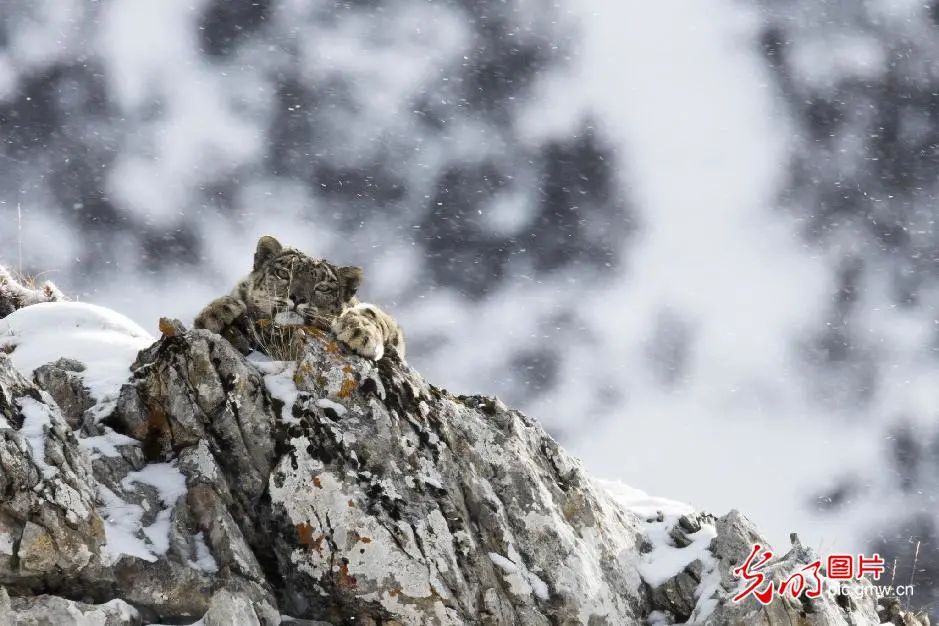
(290, 287)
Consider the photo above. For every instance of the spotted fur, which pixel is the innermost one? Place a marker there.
(289, 288)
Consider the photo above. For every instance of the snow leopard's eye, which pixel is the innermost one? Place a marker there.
(282, 273)
(323, 287)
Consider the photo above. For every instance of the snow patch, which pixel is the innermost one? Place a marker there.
(326, 403)
(667, 560)
(106, 444)
(165, 477)
(279, 381)
(126, 613)
(521, 581)
(204, 562)
(121, 528)
(123, 520)
(36, 419)
(641, 503)
(104, 341)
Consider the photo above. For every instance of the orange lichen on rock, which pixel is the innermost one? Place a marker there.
(305, 537)
(167, 329)
(348, 386)
(304, 371)
(345, 579)
(156, 419)
(305, 534)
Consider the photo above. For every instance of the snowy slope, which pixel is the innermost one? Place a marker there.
(104, 341)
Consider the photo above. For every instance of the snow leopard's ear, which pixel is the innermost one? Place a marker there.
(349, 280)
(268, 248)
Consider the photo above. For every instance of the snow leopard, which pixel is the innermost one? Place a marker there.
(288, 288)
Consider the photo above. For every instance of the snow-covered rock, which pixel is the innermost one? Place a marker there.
(235, 490)
(17, 292)
(52, 610)
(103, 341)
(49, 526)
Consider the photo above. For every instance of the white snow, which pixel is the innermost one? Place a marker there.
(123, 519)
(168, 480)
(204, 560)
(279, 380)
(126, 612)
(106, 444)
(666, 560)
(36, 419)
(326, 403)
(121, 528)
(206, 124)
(521, 581)
(641, 503)
(25, 295)
(104, 341)
(706, 592)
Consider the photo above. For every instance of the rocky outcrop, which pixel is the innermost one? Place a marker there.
(62, 380)
(50, 529)
(335, 490)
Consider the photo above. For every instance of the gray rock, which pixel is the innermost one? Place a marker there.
(45, 610)
(394, 499)
(231, 609)
(49, 527)
(60, 380)
(196, 387)
(340, 490)
(703, 594)
(196, 403)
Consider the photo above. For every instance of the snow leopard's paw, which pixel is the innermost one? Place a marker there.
(361, 333)
(220, 313)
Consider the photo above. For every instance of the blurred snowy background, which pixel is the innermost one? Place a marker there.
(696, 240)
